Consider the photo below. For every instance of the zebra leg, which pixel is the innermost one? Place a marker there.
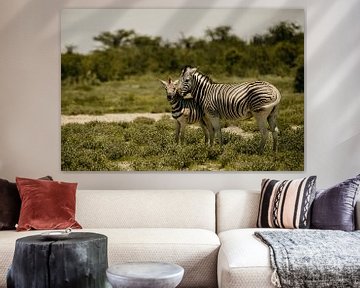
(182, 133)
(177, 131)
(205, 130)
(182, 120)
(215, 122)
(210, 129)
(261, 120)
(273, 127)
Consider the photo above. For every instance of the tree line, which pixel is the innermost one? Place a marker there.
(279, 51)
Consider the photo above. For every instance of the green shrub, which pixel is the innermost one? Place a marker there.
(299, 79)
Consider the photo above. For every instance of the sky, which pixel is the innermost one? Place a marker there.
(79, 26)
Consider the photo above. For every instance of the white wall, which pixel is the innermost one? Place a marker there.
(30, 95)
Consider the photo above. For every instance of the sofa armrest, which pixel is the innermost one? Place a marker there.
(357, 215)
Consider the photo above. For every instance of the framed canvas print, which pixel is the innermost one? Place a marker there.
(182, 89)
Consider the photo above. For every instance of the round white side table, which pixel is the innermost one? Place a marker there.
(145, 275)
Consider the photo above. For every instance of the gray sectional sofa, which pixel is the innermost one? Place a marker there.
(209, 234)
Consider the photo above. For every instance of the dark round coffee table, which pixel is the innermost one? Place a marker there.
(145, 275)
(78, 260)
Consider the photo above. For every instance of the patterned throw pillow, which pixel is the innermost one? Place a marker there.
(286, 204)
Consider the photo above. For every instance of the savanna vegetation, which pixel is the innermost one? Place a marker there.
(219, 52)
(122, 77)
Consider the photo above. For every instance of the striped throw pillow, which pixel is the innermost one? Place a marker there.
(286, 204)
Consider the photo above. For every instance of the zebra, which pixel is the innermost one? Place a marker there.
(185, 111)
(256, 99)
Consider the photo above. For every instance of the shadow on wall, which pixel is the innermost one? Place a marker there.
(333, 89)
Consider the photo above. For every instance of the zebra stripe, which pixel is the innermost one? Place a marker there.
(233, 100)
(185, 107)
(259, 99)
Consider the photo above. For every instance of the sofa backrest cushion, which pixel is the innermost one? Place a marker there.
(146, 209)
(236, 209)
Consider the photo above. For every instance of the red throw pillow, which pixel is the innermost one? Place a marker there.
(10, 204)
(46, 204)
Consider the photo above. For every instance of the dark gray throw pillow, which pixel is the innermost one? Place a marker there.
(334, 208)
(9, 205)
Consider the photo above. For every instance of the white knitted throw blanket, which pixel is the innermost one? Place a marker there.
(313, 258)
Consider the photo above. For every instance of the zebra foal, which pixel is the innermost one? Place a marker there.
(185, 111)
(256, 99)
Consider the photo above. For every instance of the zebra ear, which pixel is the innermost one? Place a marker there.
(176, 82)
(163, 82)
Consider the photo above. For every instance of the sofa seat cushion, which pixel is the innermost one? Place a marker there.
(244, 261)
(196, 250)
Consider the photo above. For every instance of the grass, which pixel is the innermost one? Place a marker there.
(135, 94)
(145, 145)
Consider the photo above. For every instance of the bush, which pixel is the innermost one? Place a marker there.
(274, 52)
(299, 79)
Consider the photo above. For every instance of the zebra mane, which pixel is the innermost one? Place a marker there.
(198, 73)
(204, 77)
(185, 68)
